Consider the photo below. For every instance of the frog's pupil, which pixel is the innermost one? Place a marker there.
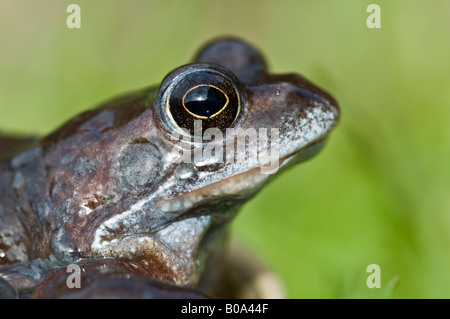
(205, 101)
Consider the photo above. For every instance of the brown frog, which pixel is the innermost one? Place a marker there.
(139, 191)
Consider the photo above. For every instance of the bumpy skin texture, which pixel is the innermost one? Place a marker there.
(104, 191)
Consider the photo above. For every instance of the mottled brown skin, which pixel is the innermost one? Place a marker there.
(57, 192)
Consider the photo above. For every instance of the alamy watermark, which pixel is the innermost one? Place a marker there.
(374, 279)
(374, 19)
(74, 279)
(73, 21)
(259, 147)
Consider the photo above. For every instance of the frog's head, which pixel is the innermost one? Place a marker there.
(209, 138)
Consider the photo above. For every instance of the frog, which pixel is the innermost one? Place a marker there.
(119, 192)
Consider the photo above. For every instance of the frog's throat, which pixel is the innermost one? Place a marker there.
(172, 248)
(177, 245)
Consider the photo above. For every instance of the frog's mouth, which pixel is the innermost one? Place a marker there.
(238, 186)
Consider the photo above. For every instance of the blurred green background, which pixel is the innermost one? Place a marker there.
(379, 191)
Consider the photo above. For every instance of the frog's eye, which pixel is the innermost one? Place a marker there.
(201, 94)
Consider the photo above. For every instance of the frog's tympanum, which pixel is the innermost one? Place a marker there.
(136, 194)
